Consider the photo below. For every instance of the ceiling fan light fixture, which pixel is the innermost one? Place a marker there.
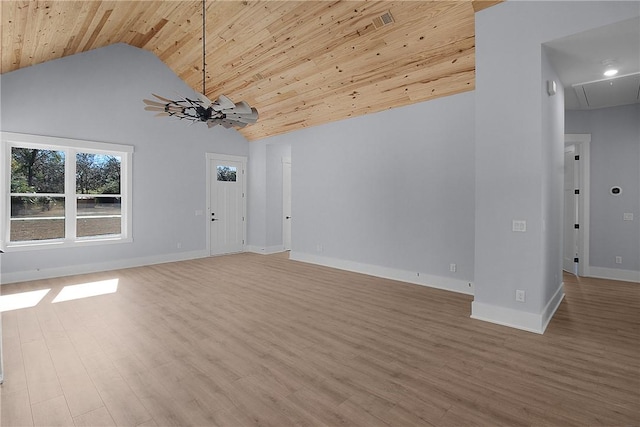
(222, 111)
(610, 72)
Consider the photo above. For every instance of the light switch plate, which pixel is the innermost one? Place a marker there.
(627, 216)
(519, 225)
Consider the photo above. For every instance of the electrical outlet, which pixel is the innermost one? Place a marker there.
(618, 260)
(453, 268)
(520, 295)
(179, 245)
(319, 248)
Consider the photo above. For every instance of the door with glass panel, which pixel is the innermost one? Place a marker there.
(226, 204)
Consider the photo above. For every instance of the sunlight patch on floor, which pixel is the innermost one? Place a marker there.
(21, 300)
(85, 290)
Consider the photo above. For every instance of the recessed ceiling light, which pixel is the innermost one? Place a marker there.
(611, 72)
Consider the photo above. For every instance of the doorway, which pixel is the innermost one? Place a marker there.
(226, 203)
(576, 204)
(570, 256)
(286, 203)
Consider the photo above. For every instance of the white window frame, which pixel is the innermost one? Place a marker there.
(71, 147)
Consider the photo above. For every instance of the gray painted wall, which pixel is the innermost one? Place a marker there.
(392, 189)
(615, 160)
(513, 157)
(97, 96)
(257, 197)
(552, 180)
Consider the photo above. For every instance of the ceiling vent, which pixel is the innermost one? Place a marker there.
(621, 90)
(382, 20)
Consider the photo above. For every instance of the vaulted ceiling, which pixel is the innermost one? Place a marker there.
(300, 63)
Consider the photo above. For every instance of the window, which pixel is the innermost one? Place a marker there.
(62, 192)
(227, 173)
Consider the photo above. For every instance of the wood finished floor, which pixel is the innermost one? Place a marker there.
(248, 340)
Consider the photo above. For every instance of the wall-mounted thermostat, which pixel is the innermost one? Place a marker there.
(616, 191)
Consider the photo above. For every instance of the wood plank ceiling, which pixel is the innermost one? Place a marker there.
(300, 63)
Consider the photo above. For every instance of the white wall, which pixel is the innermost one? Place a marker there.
(257, 198)
(615, 160)
(389, 193)
(97, 95)
(513, 157)
(552, 183)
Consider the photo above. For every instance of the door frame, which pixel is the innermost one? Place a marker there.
(582, 141)
(569, 265)
(209, 173)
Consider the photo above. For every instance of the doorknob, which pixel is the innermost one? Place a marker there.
(288, 217)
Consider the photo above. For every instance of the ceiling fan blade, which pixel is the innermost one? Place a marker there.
(245, 118)
(206, 102)
(245, 122)
(162, 114)
(235, 123)
(239, 119)
(240, 108)
(252, 117)
(162, 98)
(154, 103)
(225, 103)
(168, 109)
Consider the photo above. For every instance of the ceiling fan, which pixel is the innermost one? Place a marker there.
(222, 111)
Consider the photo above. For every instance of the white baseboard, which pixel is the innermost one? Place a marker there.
(527, 321)
(439, 282)
(49, 273)
(552, 306)
(265, 250)
(614, 274)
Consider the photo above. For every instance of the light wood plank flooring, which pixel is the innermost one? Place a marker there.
(253, 340)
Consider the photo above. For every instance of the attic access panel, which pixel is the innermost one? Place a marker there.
(622, 90)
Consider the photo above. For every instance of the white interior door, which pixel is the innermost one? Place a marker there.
(286, 204)
(570, 250)
(226, 204)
